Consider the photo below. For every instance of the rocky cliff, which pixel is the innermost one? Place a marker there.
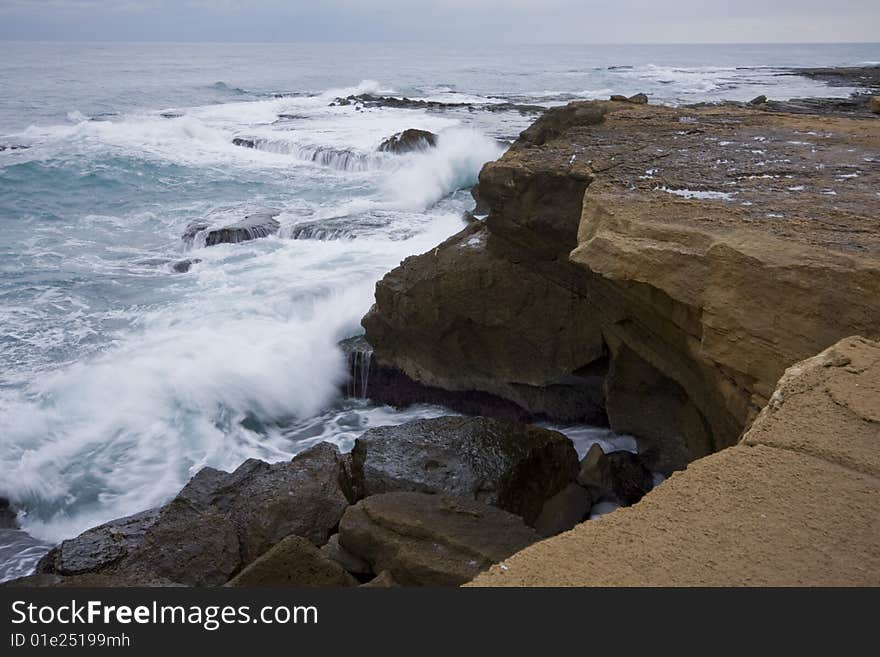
(795, 502)
(660, 267)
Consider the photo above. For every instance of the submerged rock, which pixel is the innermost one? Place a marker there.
(293, 562)
(516, 467)
(431, 540)
(13, 147)
(408, 141)
(244, 142)
(183, 266)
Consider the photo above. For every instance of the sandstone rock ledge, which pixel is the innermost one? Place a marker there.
(795, 502)
(657, 266)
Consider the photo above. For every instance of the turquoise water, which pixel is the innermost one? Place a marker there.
(120, 379)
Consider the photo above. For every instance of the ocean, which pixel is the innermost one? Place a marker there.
(121, 378)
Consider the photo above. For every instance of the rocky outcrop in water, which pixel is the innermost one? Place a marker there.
(661, 265)
(794, 503)
(253, 226)
(373, 100)
(407, 141)
(515, 467)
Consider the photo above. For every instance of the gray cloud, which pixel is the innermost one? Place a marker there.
(524, 21)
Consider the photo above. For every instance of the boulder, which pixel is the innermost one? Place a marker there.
(516, 467)
(293, 562)
(8, 518)
(431, 540)
(758, 100)
(183, 266)
(253, 226)
(874, 104)
(218, 523)
(349, 562)
(176, 543)
(631, 480)
(267, 502)
(639, 99)
(245, 142)
(619, 98)
(564, 510)
(408, 141)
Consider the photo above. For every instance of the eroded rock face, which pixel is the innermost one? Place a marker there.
(793, 503)
(516, 467)
(693, 253)
(408, 141)
(421, 539)
(293, 562)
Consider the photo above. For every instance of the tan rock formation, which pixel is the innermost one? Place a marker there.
(668, 263)
(796, 502)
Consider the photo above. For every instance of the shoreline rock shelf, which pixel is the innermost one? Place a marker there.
(659, 265)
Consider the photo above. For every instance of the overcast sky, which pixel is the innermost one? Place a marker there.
(453, 21)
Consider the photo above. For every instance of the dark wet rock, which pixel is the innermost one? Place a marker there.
(193, 229)
(183, 266)
(564, 510)
(339, 228)
(176, 543)
(245, 142)
(100, 547)
(187, 545)
(266, 502)
(218, 523)
(171, 115)
(409, 140)
(516, 467)
(619, 98)
(253, 226)
(13, 147)
(639, 99)
(349, 562)
(291, 117)
(293, 562)
(631, 479)
(620, 476)
(8, 518)
(758, 100)
(372, 100)
(431, 540)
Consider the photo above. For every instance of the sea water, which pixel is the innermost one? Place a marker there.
(119, 378)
